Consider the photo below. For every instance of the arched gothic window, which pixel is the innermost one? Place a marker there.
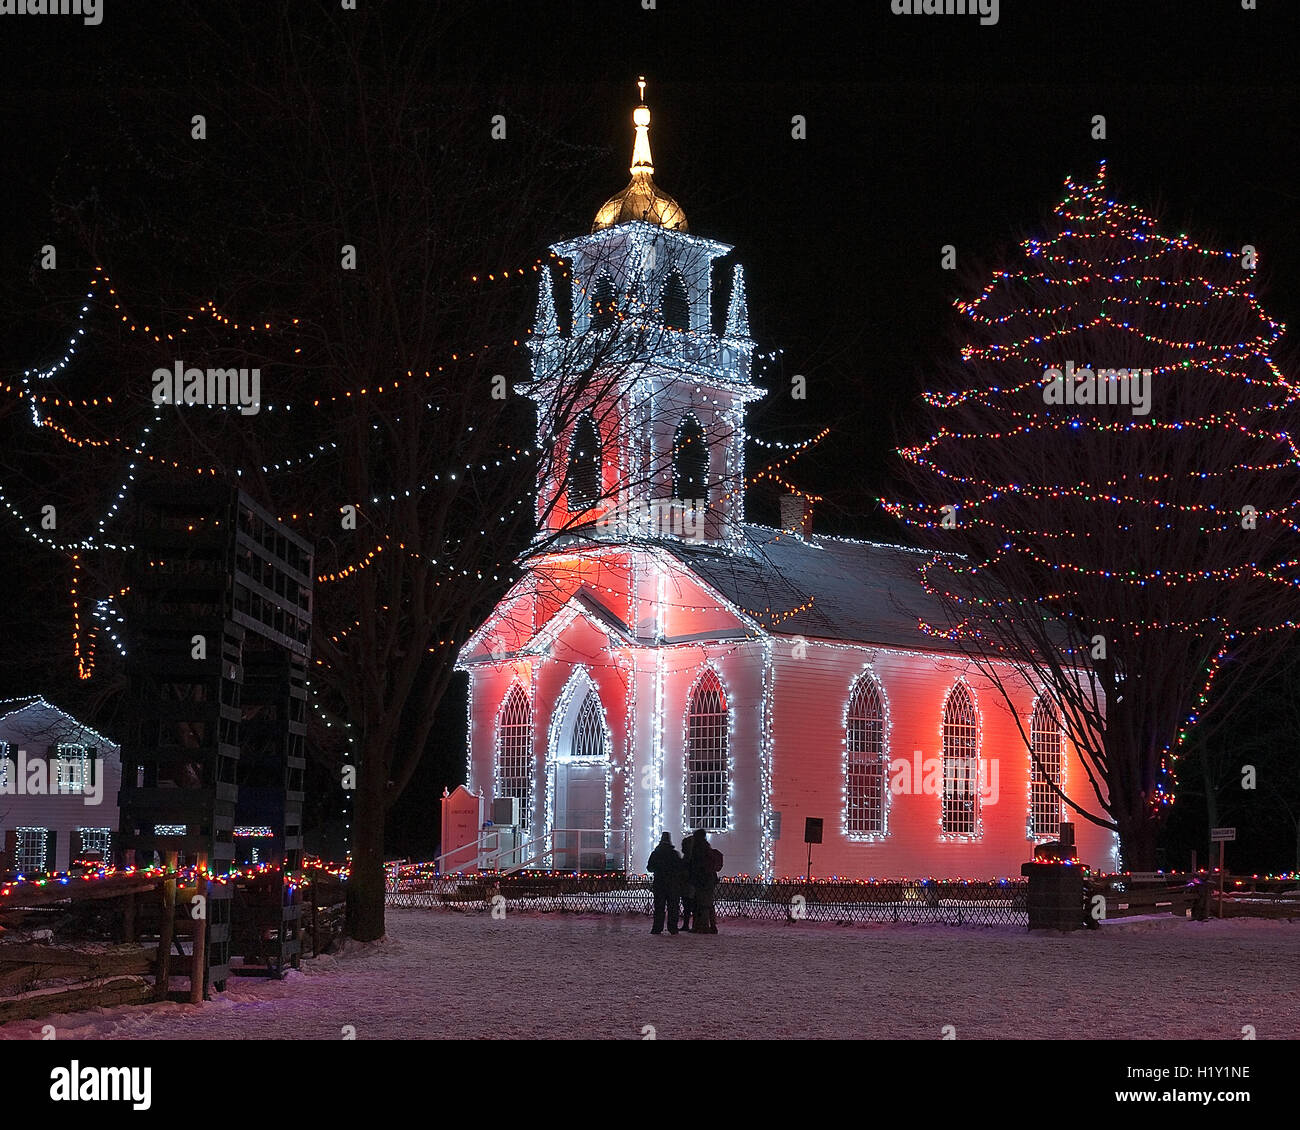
(960, 764)
(864, 782)
(588, 729)
(514, 769)
(1049, 755)
(602, 306)
(675, 303)
(690, 461)
(706, 756)
(584, 465)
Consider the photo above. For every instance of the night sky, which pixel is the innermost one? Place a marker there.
(921, 131)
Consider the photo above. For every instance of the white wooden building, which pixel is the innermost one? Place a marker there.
(59, 781)
(665, 665)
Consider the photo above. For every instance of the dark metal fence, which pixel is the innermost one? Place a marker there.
(935, 901)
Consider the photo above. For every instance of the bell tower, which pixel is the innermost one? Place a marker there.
(639, 401)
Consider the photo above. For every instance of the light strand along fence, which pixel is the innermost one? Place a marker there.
(935, 901)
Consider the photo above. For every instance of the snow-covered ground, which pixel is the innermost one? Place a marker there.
(443, 974)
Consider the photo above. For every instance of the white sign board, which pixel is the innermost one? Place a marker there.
(1217, 834)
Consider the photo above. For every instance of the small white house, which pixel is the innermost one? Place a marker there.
(59, 781)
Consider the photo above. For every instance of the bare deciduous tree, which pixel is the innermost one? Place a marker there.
(358, 236)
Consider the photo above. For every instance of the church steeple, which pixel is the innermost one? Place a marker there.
(642, 199)
(640, 401)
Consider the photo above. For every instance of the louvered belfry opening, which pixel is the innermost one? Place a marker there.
(690, 461)
(675, 303)
(584, 465)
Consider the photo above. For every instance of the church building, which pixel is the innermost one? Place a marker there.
(665, 665)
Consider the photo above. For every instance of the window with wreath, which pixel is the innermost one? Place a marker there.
(515, 752)
(707, 725)
(95, 842)
(1045, 767)
(864, 768)
(960, 764)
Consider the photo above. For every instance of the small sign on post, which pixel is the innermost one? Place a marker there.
(812, 834)
(1222, 836)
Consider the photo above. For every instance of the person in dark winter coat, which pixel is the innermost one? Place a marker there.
(688, 888)
(705, 863)
(666, 866)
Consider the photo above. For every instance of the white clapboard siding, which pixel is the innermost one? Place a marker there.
(36, 726)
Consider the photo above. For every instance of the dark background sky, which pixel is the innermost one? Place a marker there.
(921, 131)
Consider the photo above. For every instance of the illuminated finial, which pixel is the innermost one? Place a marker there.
(641, 159)
(641, 200)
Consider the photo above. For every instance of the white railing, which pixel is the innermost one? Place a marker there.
(575, 849)
(561, 849)
(483, 853)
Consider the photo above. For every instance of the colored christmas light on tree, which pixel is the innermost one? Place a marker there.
(1110, 484)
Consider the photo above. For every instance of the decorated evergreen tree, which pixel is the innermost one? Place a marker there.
(1111, 485)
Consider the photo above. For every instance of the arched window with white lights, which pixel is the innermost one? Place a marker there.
(675, 303)
(584, 465)
(690, 461)
(864, 760)
(1045, 769)
(707, 754)
(514, 761)
(601, 306)
(960, 764)
(589, 730)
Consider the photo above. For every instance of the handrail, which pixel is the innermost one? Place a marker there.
(604, 835)
(525, 860)
(476, 844)
(531, 851)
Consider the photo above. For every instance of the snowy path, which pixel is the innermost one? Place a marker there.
(440, 975)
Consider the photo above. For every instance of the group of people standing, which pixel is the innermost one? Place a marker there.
(684, 884)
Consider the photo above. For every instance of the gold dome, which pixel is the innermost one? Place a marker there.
(641, 200)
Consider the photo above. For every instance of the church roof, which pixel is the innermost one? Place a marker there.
(864, 592)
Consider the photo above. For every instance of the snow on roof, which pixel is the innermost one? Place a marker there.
(32, 719)
(860, 591)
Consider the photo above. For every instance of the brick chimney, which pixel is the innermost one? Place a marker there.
(797, 514)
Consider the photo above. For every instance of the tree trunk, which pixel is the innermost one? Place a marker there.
(365, 906)
(1211, 792)
(1138, 833)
